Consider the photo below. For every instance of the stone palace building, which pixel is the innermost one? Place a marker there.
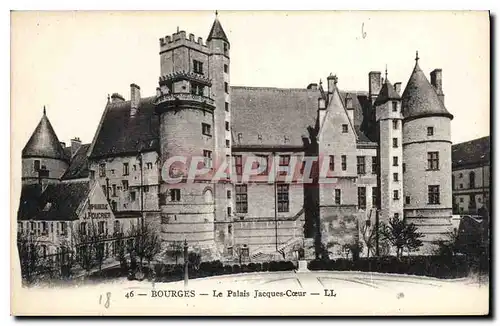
(378, 153)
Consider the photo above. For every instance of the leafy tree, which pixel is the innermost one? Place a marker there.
(194, 260)
(146, 244)
(401, 235)
(175, 250)
(449, 246)
(89, 246)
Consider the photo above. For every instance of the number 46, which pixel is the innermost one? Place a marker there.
(129, 294)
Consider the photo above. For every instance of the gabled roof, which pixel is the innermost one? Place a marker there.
(120, 134)
(473, 152)
(386, 93)
(420, 98)
(58, 202)
(44, 142)
(79, 165)
(217, 32)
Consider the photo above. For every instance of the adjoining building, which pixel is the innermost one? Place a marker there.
(375, 154)
(471, 176)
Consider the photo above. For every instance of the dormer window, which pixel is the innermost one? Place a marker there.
(198, 67)
(394, 106)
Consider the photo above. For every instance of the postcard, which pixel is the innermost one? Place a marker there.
(239, 163)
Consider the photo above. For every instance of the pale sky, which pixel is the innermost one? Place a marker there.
(71, 61)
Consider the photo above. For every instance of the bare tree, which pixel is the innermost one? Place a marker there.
(146, 243)
(88, 243)
(30, 256)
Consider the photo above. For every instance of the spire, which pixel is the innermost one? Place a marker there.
(44, 142)
(217, 32)
(386, 72)
(420, 99)
(44, 111)
(416, 57)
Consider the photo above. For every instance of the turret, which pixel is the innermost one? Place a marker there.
(427, 155)
(43, 157)
(389, 118)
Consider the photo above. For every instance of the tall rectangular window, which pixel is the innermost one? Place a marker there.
(114, 190)
(36, 165)
(226, 88)
(100, 227)
(125, 169)
(227, 125)
(374, 165)
(102, 169)
(228, 194)
(238, 164)
(407, 200)
(344, 162)
(338, 195)
(430, 131)
(206, 129)
(374, 196)
(361, 197)
(125, 184)
(207, 157)
(394, 106)
(283, 200)
(198, 67)
(395, 176)
(175, 195)
(226, 48)
(229, 211)
(226, 107)
(395, 161)
(395, 143)
(332, 163)
(345, 128)
(241, 198)
(433, 195)
(284, 161)
(228, 143)
(361, 165)
(395, 194)
(226, 68)
(395, 124)
(433, 161)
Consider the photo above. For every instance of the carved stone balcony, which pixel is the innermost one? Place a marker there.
(176, 101)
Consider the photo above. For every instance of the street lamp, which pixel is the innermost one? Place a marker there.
(186, 273)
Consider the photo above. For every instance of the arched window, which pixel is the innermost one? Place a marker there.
(208, 196)
(472, 180)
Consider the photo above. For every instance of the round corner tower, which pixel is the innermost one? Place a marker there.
(194, 128)
(43, 157)
(427, 156)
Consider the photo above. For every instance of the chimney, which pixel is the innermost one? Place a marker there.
(135, 99)
(397, 87)
(349, 107)
(332, 82)
(115, 97)
(313, 86)
(374, 84)
(75, 145)
(437, 82)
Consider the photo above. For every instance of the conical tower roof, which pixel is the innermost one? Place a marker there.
(387, 93)
(420, 98)
(217, 32)
(44, 142)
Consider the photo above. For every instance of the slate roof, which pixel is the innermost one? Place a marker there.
(420, 98)
(386, 93)
(43, 142)
(217, 32)
(120, 134)
(79, 166)
(58, 202)
(264, 116)
(474, 152)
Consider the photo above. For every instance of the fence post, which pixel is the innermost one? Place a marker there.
(186, 272)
